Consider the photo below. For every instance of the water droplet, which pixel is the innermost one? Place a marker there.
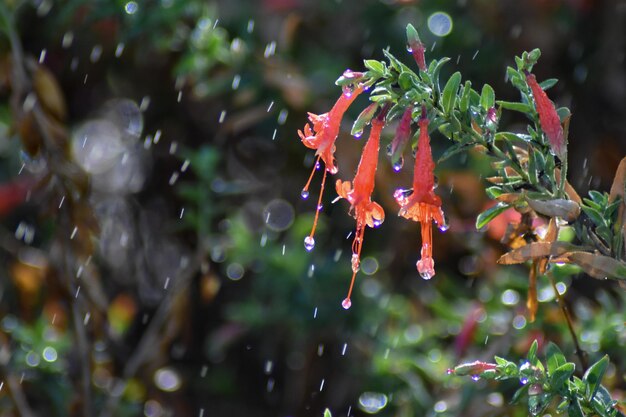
(320, 207)
(444, 227)
(475, 377)
(346, 304)
(304, 194)
(377, 222)
(397, 165)
(355, 261)
(426, 268)
(450, 371)
(409, 49)
(347, 91)
(523, 380)
(309, 243)
(333, 170)
(389, 150)
(358, 134)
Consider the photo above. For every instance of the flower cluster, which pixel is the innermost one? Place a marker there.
(419, 204)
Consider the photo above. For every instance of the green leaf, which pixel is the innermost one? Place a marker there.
(436, 68)
(493, 192)
(554, 357)
(510, 105)
(465, 96)
(327, 413)
(561, 375)
(519, 393)
(574, 409)
(545, 84)
(488, 215)
(593, 214)
(533, 172)
(487, 97)
(375, 66)
(405, 80)
(448, 97)
(593, 377)
(532, 352)
(454, 149)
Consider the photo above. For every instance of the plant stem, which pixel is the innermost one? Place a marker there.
(579, 352)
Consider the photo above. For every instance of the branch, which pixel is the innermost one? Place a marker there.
(151, 336)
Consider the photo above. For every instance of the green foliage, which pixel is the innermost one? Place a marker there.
(545, 386)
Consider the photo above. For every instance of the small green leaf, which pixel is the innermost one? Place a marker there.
(327, 413)
(436, 68)
(532, 352)
(488, 215)
(554, 357)
(519, 393)
(533, 172)
(405, 80)
(375, 66)
(487, 97)
(448, 97)
(364, 118)
(454, 149)
(594, 215)
(563, 113)
(574, 409)
(411, 34)
(561, 375)
(550, 82)
(465, 96)
(494, 192)
(510, 105)
(593, 377)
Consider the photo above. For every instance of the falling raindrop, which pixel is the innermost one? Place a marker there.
(250, 27)
(96, 53)
(42, 55)
(343, 350)
(119, 49)
(270, 49)
(67, 40)
(236, 81)
(222, 116)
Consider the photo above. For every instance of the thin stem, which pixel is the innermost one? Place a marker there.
(579, 352)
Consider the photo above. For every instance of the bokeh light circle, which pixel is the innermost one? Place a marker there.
(440, 24)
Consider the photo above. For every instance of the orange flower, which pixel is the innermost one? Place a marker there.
(322, 138)
(548, 117)
(423, 205)
(359, 195)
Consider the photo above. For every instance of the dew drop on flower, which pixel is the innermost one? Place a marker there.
(355, 262)
(304, 194)
(444, 227)
(346, 304)
(309, 243)
(397, 165)
(475, 377)
(450, 371)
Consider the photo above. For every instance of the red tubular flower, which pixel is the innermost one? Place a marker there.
(423, 205)
(322, 138)
(359, 195)
(403, 133)
(548, 117)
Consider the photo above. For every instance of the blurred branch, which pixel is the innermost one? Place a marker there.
(150, 337)
(14, 387)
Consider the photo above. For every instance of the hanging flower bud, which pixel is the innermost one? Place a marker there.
(416, 47)
(548, 117)
(423, 205)
(322, 138)
(359, 195)
(401, 138)
(363, 120)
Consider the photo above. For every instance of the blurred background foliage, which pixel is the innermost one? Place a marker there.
(198, 297)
